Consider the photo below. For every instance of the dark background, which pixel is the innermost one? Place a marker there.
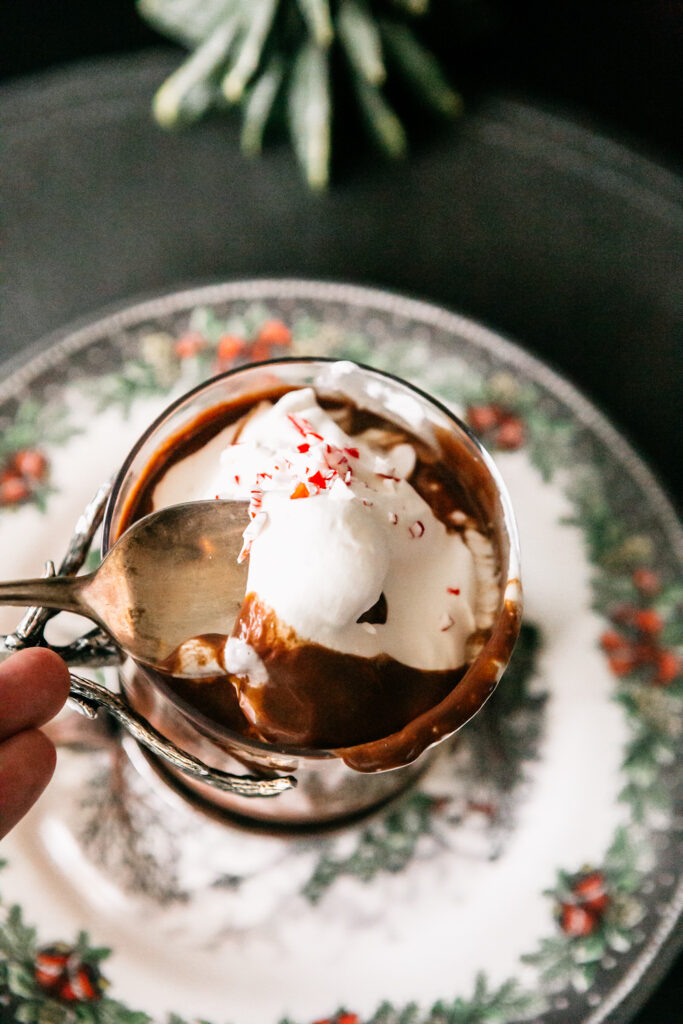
(615, 67)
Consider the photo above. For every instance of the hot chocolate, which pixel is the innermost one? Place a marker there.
(373, 580)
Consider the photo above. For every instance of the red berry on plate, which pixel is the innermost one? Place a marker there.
(13, 490)
(590, 891)
(190, 345)
(30, 463)
(668, 668)
(49, 966)
(611, 640)
(576, 920)
(60, 972)
(229, 347)
(648, 621)
(80, 987)
(646, 580)
(274, 332)
(482, 418)
(510, 434)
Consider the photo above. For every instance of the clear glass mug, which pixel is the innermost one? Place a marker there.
(330, 785)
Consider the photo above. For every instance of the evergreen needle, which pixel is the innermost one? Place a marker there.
(258, 105)
(261, 14)
(421, 68)
(316, 14)
(309, 113)
(381, 119)
(361, 39)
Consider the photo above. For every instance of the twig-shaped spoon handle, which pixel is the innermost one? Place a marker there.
(90, 697)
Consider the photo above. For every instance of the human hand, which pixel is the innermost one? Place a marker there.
(34, 684)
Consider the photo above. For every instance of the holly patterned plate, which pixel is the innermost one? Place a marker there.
(531, 874)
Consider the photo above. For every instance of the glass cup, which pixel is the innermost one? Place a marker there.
(332, 785)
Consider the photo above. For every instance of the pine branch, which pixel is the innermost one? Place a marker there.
(249, 51)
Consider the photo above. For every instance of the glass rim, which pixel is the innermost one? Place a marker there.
(508, 519)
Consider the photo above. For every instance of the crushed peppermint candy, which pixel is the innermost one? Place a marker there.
(417, 529)
(318, 480)
(393, 518)
(453, 590)
(252, 531)
(445, 622)
(301, 424)
(310, 467)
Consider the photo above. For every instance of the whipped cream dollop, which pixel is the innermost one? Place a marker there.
(335, 527)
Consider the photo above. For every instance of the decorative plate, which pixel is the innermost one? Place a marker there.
(531, 874)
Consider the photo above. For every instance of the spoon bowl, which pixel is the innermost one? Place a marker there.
(172, 576)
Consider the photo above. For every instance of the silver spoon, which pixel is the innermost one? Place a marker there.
(171, 576)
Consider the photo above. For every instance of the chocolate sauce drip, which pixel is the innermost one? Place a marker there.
(316, 697)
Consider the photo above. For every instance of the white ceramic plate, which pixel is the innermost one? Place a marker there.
(531, 875)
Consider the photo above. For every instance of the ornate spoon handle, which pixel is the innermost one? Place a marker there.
(90, 697)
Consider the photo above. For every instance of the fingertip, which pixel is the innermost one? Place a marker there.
(56, 674)
(44, 663)
(27, 763)
(34, 685)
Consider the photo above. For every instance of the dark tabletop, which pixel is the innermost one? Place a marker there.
(551, 212)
